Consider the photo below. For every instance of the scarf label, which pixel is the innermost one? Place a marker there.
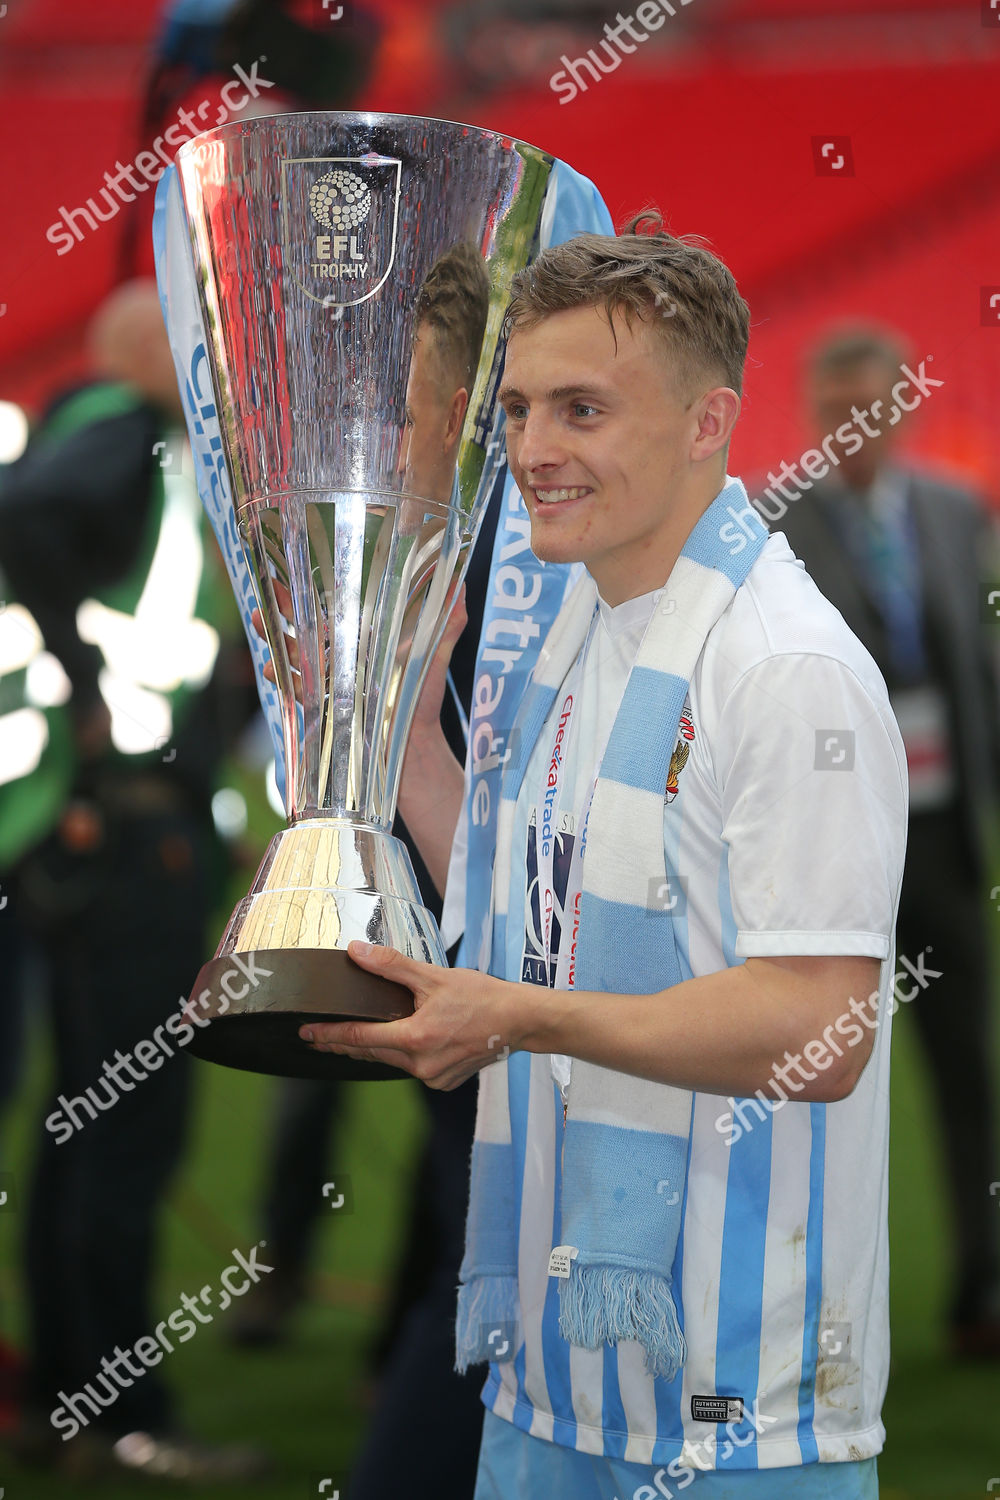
(561, 1260)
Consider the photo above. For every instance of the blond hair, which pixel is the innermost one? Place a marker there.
(676, 285)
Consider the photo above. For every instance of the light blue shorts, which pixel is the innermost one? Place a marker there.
(512, 1463)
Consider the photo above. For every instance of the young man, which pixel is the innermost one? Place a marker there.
(676, 1251)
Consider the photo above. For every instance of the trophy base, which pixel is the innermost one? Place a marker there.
(283, 961)
(291, 987)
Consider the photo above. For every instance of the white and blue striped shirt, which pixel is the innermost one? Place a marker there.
(785, 824)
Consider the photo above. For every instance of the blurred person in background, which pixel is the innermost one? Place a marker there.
(901, 554)
(36, 772)
(102, 540)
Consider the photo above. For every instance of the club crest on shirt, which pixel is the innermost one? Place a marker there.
(682, 750)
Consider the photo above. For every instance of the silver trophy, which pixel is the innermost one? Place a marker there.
(353, 272)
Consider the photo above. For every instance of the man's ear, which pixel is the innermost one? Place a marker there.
(716, 413)
(456, 416)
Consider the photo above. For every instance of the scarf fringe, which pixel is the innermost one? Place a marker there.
(604, 1304)
(487, 1320)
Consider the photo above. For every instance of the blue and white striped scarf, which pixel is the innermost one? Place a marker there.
(626, 1139)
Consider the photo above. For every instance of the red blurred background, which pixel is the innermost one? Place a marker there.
(717, 119)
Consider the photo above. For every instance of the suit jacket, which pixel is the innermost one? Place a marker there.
(952, 535)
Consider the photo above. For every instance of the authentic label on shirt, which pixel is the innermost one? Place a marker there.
(561, 1260)
(716, 1408)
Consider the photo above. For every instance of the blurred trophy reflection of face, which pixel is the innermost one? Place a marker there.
(449, 323)
(435, 411)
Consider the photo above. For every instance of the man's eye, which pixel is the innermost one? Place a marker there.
(582, 409)
(517, 411)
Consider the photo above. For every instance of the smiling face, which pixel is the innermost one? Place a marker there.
(614, 465)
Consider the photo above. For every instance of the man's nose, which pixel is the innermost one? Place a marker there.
(540, 446)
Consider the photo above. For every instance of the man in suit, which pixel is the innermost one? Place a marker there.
(901, 555)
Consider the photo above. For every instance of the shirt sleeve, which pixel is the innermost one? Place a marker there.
(812, 778)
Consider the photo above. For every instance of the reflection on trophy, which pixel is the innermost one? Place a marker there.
(353, 272)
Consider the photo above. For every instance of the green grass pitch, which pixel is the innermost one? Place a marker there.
(307, 1403)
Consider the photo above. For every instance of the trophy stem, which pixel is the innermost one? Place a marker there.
(283, 961)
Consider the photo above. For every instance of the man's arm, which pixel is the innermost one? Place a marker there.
(732, 1032)
(805, 1023)
(431, 791)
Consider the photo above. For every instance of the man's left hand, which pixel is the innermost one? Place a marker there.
(462, 1021)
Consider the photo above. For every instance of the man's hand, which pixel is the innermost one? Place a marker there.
(463, 1021)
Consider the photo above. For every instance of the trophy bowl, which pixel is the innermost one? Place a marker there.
(352, 273)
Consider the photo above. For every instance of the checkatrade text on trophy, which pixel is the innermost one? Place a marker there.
(352, 274)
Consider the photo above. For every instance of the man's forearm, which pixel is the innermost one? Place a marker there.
(431, 791)
(730, 1033)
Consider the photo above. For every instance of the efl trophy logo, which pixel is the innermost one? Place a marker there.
(340, 216)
